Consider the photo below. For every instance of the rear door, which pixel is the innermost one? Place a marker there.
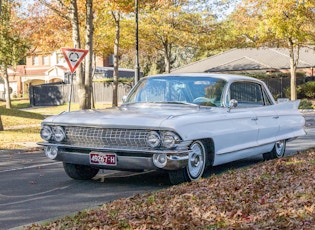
(251, 95)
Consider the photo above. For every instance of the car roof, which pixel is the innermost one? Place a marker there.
(227, 77)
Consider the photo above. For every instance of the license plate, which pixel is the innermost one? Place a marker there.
(97, 158)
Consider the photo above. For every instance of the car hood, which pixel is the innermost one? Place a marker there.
(142, 115)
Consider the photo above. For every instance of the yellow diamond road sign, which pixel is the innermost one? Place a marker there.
(74, 57)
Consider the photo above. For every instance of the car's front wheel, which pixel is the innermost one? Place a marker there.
(277, 151)
(80, 172)
(196, 165)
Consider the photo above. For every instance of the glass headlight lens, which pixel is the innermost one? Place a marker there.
(169, 139)
(153, 139)
(59, 134)
(46, 133)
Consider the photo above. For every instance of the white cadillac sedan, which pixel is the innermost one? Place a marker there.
(180, 123)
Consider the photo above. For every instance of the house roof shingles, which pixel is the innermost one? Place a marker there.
(250, 59)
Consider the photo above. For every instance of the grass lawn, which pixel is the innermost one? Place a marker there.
(22, 122)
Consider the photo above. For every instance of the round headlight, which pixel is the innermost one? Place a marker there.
(153, 139)
(46, 133)
(169, 139)
(59, 134)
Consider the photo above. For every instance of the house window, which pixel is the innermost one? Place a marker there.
(111, 60)
(35, 60)
(46, 60)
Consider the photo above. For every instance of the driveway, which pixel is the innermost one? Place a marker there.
(34, 188)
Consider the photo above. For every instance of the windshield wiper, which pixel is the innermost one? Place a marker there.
(179, 103)
(162, 102)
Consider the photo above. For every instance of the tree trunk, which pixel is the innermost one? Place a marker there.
(80, 80)
(1, 125)
(116, 16)
(74, 20)
(167, 57)
(89, 31)
(293, 64)
(7, 87)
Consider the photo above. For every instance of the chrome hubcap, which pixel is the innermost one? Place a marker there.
(196, 161)
(279, 147)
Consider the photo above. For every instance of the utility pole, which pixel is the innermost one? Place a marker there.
(137, 67)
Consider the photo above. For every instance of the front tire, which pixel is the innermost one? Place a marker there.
(277, 151)
(80, 172)
(196, 165)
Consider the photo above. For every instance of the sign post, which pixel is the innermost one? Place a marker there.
(73, 57)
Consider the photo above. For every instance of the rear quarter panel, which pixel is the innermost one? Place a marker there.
(291, 121)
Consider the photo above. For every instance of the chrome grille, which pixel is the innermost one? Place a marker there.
(103, 137)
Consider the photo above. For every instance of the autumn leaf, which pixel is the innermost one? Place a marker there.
(277, 194)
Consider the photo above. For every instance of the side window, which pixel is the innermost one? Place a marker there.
(248, 94)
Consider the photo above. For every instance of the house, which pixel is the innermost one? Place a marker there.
(253, 60)
(41, 68)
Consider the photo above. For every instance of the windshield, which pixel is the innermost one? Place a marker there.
(198, 90)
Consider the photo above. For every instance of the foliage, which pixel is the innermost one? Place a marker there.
(306, 104)
(307, 90)
(273, 23)
(176, 27)
(178, 34)
(278, 23)
(50, 37)
(13, 42)
(277, 194)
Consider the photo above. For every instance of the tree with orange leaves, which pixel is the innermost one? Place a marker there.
(69, 10)
(118, 9)
(13, 43)
(287, 24)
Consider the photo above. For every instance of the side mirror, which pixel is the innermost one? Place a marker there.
(233, 104)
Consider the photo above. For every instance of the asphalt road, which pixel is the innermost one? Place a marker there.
(34, 188)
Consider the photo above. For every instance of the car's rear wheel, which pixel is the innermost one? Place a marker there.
(196, 165)
(277, 151)
(80, 172)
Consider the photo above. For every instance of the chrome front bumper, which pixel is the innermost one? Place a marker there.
(126, 159)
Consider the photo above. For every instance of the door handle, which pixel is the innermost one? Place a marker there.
(275, 117)
(254, 118)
